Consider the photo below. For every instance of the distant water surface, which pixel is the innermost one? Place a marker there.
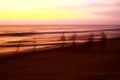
(34, 28)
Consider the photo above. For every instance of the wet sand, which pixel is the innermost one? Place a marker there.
(82, 62)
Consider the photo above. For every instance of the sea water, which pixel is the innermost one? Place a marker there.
(41, 38)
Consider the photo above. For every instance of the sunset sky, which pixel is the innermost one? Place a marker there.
(59, 11)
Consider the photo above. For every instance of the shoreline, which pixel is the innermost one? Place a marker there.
(77, 46)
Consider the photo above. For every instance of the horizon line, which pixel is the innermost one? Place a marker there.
(62, 24)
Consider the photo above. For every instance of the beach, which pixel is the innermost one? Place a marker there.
(80, 62)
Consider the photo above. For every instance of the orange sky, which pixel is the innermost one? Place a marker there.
(59, 11)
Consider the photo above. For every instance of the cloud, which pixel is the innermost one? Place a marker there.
(117, 4)
(91, 5)
(75, 7)
(99, 5)
(105, 5)
(109, 13)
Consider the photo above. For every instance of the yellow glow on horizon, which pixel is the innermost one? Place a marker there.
(86, 11)
(42, 14)
(31, 10)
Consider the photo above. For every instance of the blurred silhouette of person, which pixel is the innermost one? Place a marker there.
(63, 39)
(74, 38)
(35, 44)
(18, 46)
(90, 39)
(103, 38)
(103, 41)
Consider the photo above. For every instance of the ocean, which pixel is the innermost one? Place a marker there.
(42, 38)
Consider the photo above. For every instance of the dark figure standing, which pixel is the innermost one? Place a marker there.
(103, 39)
(35, 44)
(74, 38)
(90, 39)
(18, 46)
(63, 40)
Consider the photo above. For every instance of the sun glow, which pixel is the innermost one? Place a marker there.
(38, 10)
(41, 15)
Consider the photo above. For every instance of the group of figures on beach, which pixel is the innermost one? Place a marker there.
(74, 39)
(89, 39)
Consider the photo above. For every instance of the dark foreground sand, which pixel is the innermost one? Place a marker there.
(81, 62)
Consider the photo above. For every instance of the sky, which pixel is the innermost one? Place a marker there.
(59, 11)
